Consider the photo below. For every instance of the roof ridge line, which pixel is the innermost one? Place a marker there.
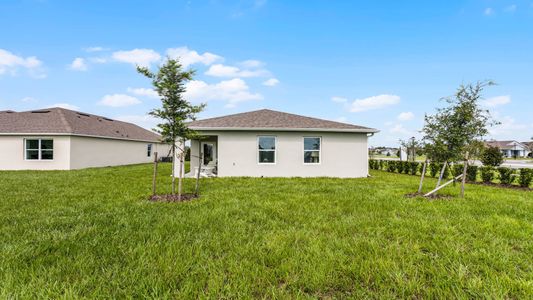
(64, 121)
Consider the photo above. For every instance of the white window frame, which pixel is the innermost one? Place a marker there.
(39, 150)
(149, 150)
(319, 150)
(267, 150)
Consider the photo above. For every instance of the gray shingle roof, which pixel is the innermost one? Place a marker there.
(63, 121)
(504, 145)
(266, 119)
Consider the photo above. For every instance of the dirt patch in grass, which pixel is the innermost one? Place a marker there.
(172, 198)
(431, 197)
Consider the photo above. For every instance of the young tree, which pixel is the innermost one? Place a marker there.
(169, 83)
(458, 129)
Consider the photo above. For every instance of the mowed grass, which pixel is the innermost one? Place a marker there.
(92, 234)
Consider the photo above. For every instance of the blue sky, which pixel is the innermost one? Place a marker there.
(376, 63)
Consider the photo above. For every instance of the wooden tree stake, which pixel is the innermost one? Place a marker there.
(422, 177)
(155, 175)
(463, 182)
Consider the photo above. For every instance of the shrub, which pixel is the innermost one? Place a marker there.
(526, 176)
(487, 174)
(405, 167)
(391, 166)
(492, 156)
(382, 165)
(413, 167)
(433, 169)
(506, 175)
(471, 173)
(458, 169)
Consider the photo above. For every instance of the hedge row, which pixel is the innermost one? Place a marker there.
(507, 176)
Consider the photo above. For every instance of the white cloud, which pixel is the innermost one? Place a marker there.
(374, 102)
(98, 60)
(10, 62)
(488, 11)
(95, 49)
(145, 121)
(150, 93)
(220, 70)
(141, 57)
(271, 82)
(401, 130)
(189, 57)
(251, 63)
(233, 91)
(118, 100)
(511, 8)
(496, 101)
(78, 64)
(65, 105)
(339, 99)
(406, 116)
(508, 129)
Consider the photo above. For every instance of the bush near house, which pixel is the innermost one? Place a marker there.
(506, 175)
(526, 177)
(492, 156)
(487, 174)
(471, 173)
(434, 169)
(457, 169)
(413, 167)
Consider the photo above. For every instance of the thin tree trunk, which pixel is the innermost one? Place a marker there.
(463, 182)
(197, 189)
(173, 167)
(422, 177)
(442, 173)
(154, 181)
(180, 176)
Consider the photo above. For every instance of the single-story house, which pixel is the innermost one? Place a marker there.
(511, 148)
(267, 143)
(62, 139)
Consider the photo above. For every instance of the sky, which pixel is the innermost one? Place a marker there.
(382, 64)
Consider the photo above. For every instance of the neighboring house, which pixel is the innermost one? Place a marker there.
(511, 148)
(61, 139)
(530, 146)
(276, 144)
(389, 151)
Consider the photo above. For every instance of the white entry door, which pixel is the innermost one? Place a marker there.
(209, 154)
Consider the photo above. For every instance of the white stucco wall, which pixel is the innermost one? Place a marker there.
(12, 154)
(99, 152)
(342, 155)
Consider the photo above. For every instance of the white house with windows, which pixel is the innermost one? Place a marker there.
(61, 139)
(511, 148)
(267, 143)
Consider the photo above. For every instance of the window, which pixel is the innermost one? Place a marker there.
(39, 149)
(312, 150)
(267, 149)
(208, 153)
(149, 150)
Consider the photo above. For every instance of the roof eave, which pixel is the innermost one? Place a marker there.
(75, 134)
(362, 130)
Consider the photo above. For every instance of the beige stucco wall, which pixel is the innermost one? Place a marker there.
(342, 155)
(12, 154)
(99, 152)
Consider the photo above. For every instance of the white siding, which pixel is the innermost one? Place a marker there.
(342, 155)
(99, 152)
(12, 154)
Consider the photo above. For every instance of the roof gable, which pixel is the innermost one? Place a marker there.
(64, 121)
(266, 119)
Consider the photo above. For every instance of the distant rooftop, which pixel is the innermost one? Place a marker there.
(266, 119)
(68, 122)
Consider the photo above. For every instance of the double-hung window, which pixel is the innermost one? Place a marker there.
(39, 149)
(149, 150)
(267, 149)
(312, 150)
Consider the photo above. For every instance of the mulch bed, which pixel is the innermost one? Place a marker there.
(503, 186)
(172, 198)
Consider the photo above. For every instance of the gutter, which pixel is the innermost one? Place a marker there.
(367, 130)
(79, 135)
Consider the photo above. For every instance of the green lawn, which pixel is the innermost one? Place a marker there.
(92, 234)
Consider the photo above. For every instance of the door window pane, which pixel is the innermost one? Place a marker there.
(208, 153)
